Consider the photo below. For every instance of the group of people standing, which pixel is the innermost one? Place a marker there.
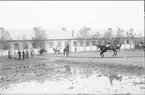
(25, 54)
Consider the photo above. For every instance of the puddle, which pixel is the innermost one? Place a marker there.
(79, 83)
(63, 78)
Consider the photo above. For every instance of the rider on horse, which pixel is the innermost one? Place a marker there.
(66, 49)
(67, 46)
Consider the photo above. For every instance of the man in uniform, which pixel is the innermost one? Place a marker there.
(19, 53)
(23, 55)
(9, 54)
(27, 54)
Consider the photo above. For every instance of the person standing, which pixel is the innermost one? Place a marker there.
(23, 55)
(27, 54)
(19, 53)
(32, 52)
(15, 57)
(67, 47)
(9, 55)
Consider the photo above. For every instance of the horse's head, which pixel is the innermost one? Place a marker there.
(98, 46)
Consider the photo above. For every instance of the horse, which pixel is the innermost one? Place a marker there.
(104, 48)
(66, 51)
(56, 51)
(42, 51)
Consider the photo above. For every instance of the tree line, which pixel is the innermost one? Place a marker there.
(40, 35)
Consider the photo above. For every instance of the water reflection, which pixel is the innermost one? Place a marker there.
(79, 80)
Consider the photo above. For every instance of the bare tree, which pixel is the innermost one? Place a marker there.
(25, 45)
(39, 37)
(120, 35)
(108, 34)
(140, 34)
(5, 36)
(84, 32)
(24, 37)
(120, 32)
(131, 35)
(96, 35)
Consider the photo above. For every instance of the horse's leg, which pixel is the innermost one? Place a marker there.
(114, 53)
(101, 54)
(64, 52)
(67, 53)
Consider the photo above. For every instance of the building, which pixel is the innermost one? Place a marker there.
(76, 44)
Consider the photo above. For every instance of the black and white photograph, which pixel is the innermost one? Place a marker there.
(72, 47)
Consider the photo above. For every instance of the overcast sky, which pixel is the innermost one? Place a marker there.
(53, 15)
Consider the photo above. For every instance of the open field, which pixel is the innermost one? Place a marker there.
(123, 57)
(80, 73)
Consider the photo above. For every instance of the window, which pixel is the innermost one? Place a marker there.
(58, 44)
(34, 45)
(81, 42)
(127, 41)
(66, 42)
(93, 43)
(50, 44)
(99, 42)
(87, 43)
(75, 43)
(25, 46)
(16, 46)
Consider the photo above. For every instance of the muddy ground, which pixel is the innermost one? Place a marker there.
(41, 69)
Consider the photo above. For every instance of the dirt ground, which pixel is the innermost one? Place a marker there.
(58, 67)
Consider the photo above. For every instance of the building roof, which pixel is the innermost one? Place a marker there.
(51, 34)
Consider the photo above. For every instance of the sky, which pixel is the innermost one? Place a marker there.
(73, 15)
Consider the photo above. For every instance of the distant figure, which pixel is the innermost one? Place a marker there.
(59, 50)
(54, 50)
(19, 53)
(67, 46)
(23, 53)
(15, 56)
(75, 49)
(32, 52)
(27, 54)
(9, 55)
(66, 50)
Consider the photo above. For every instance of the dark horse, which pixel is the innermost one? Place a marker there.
(104, 48)
(42, 51)
(66, 51)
